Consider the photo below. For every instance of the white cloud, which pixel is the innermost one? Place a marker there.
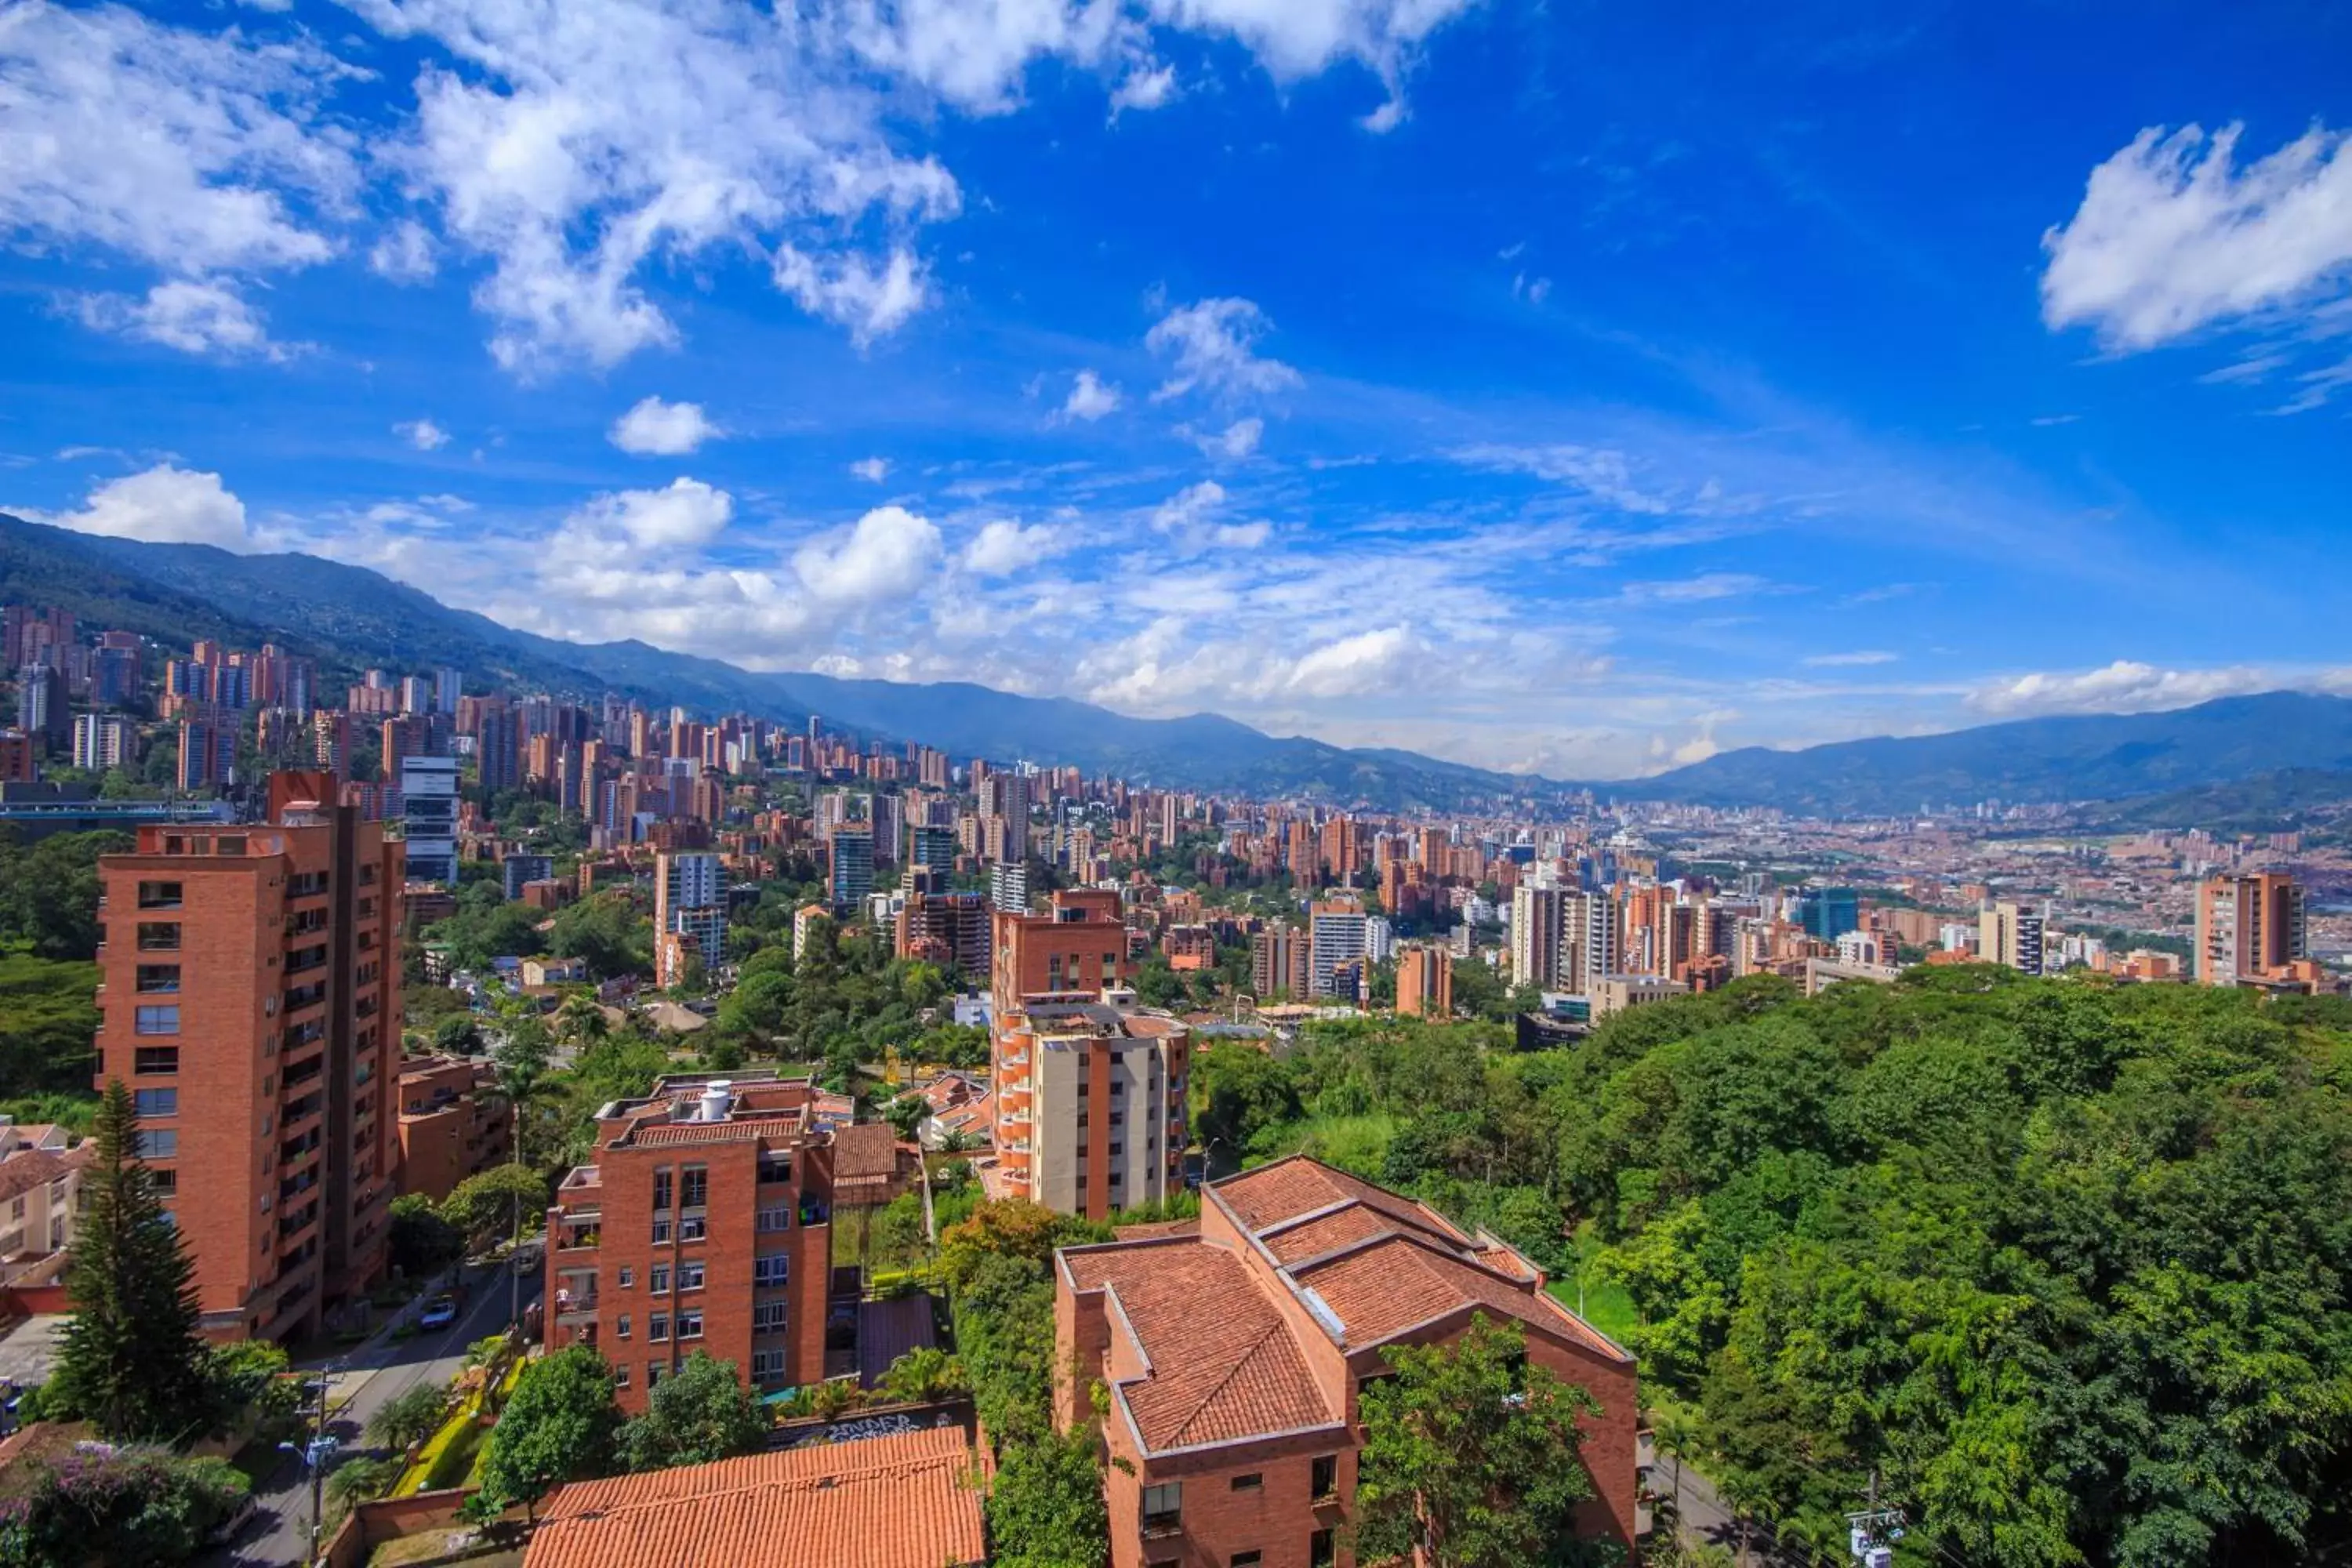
(1295, 38)
(888, 555)
(422, 433)
(406, 253)
(1851, 660)
(1144, 89)
(873, 470)
(684, 515)
(1235, 441)
(1002, 547)
(652, 428)
(1090, 399)
(165, 505)
(194, 317)
(194, 153)
(2172, 235)
(1358, 666)
(2125, 686)
(1213, 345)
(850, 291)
(1534, 290)
(1705, 586)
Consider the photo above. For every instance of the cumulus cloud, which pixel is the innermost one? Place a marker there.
(850, 290)
(422, 433)
(406, 253)
(194, 317)
(1190, 520)
(1090, 399)
(888, 555)
(2125, 686)
(1213, 347)
(652, 428)
(873, 470)
(165, 505)
(1004, 547)
(2173, 235)
(686, 514)
(194, 153)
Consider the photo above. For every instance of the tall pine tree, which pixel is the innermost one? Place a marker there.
(131, 1360)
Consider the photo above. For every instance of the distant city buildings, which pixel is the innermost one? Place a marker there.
(690, 913)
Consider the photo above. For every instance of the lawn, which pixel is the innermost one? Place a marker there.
(1605, 1304)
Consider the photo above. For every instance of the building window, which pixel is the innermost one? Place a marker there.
(1324, 1477)
(628, 1280)
(693, 1227)
(158, 1143)
(153, 978)
(156, 1020)
(771, 1268)
(689, 1276)
(775, 1167)
(658, 1279)
(657, 1327)
(767, 1365)
(159, 936)
(1164, 1506)
(1322, 1549)
(159, 895)
(654, 1371)
(661, 1190)
(168, 1182)
(621, 1374)
(693, 1187)
(661, 1233)
(155, 1059)
(780, 1217)
(1116, 1150)
(689, 1324)
(767, 1316)
(1244, 1559)
(153, 1102)
(1254, 1481)
(621, 1327)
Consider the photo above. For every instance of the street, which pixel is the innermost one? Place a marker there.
(361, 1382)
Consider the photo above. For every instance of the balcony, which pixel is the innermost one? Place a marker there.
(575, 1308)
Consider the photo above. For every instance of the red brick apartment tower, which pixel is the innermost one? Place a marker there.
(705, 1223)
(1074, 951)
(249, 995)
(1236, 1358)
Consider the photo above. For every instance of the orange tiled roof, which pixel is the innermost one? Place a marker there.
(1274, 1195)
(1382, 1290)
(902, 1501)
(1218, 1371)
(868, 1152)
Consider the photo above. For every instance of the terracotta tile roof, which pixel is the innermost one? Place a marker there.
(662, 1134)
(901, 1502)
(23, 1170)
(1339, 1228)
(1392, 1285)
(1273, 1194)
(866, 1153)
(1224, 1365)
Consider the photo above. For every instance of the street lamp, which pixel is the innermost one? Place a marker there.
(315, 1455)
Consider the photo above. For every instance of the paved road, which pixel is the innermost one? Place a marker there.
(361, 1383)
(1706, 1518)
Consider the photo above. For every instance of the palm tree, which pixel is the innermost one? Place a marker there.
(580, 1022)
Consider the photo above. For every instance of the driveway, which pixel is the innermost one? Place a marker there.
(360, 1382)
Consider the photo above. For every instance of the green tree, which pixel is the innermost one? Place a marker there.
(48, 892)
(701, 1413)
(1471, 1455)
(131, 1359)
(458, 1034)
(101, 1509)
(560, 1425)
(420, 1240)
(1045, 1508)
(409, 1416)
(496, 1202)
(925, 1376)
(48, 1016)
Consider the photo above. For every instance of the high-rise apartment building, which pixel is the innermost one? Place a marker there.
(1090, 1102)
(103, 741)
(1008, 888)
(1424, 981)
(1339, 931)
(852, 869)
(932, 848)
(1004, 800)
(1282, 961)
(689, 912)
(950, 929)
(2248, 928)
(42, 708)
(207, 752)
(2011, 935)
(1078, 945)
(428, 807)
(1538, 935)
(703, 1222)
(250, 998)
(449, 686)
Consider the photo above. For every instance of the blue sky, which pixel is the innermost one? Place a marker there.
(1542, 385)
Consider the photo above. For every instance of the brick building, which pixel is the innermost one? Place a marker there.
(1424, 981)
(249, 995)
(1233, 1432)
(704, 1222)
(452, 1124)
(1078, 944)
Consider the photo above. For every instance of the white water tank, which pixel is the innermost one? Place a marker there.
(716, 1096)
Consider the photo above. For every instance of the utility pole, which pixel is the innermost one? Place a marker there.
(315, 1455)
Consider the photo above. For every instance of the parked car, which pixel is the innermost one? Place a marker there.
(439, 1312)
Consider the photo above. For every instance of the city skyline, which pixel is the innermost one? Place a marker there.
(1543, 392)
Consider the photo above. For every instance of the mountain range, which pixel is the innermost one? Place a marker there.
(350, 619)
